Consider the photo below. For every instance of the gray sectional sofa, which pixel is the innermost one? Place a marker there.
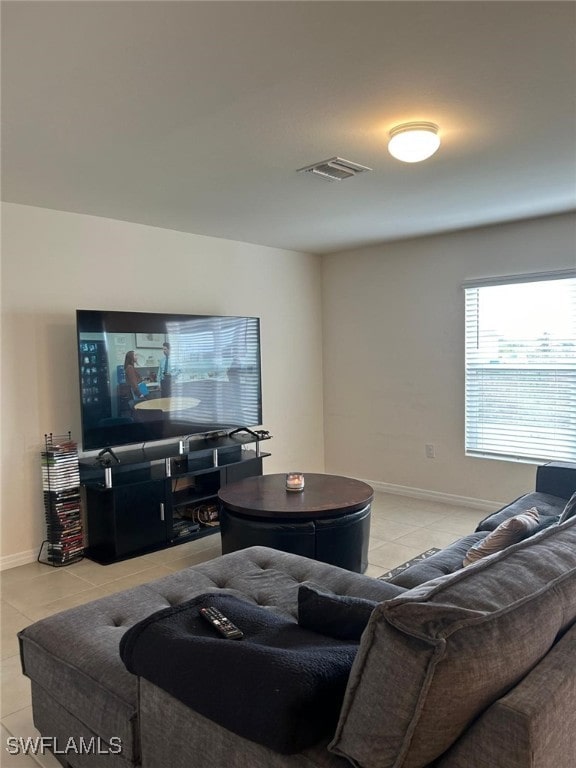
(450, 667)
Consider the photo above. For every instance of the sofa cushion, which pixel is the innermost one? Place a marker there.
(547, 505)
(533, 725)
(339, 616)
(508, 532)
(432, 659)
(446, 561)
(570, 509)
(547, 523)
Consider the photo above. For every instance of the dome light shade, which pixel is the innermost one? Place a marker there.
(413, 142)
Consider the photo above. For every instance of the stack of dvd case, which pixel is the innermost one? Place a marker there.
(61, 486)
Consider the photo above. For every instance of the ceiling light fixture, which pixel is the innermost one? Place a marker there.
(413, 142)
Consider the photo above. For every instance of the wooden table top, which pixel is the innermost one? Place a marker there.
(265, 496)
(167, 404)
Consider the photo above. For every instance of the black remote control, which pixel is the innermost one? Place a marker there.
(221, 623)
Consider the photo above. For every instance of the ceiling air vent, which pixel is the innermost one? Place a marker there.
(335, 169)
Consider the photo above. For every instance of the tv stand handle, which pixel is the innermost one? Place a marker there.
(261, 434)
(103, 453)
(243, 429)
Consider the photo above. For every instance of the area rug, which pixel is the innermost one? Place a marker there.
(404, 566)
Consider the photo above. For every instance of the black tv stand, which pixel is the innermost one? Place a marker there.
(159, 496)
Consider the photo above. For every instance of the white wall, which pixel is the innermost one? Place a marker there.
(394, 354)
(392, 347)
(54, 263)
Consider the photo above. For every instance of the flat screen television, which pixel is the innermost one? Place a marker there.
(148, 376)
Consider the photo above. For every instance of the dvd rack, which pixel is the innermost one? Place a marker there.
(64, 542)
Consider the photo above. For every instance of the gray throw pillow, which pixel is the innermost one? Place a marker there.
(339, 616)
(509, 532)
(569, 509)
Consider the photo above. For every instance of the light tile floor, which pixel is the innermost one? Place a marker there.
(401, 528)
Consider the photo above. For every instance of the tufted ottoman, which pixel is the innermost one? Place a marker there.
(80, 687)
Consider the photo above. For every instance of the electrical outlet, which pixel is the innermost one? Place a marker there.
(430, 451)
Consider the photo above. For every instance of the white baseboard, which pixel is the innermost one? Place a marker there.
(447, 498)
(20, 558)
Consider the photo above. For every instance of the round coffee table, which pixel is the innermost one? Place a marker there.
(328, 521)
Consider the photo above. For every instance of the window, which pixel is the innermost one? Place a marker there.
(521, 367)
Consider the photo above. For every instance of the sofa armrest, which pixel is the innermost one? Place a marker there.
(556, 478)
(532, 726)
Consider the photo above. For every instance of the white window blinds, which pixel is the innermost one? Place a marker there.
(521, 367)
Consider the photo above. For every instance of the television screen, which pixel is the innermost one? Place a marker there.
(147, 376)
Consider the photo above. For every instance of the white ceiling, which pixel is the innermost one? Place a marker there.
(195, 116)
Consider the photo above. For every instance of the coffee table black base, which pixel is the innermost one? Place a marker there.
(341, 540)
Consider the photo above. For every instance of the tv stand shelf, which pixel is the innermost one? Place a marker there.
(159, 496)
